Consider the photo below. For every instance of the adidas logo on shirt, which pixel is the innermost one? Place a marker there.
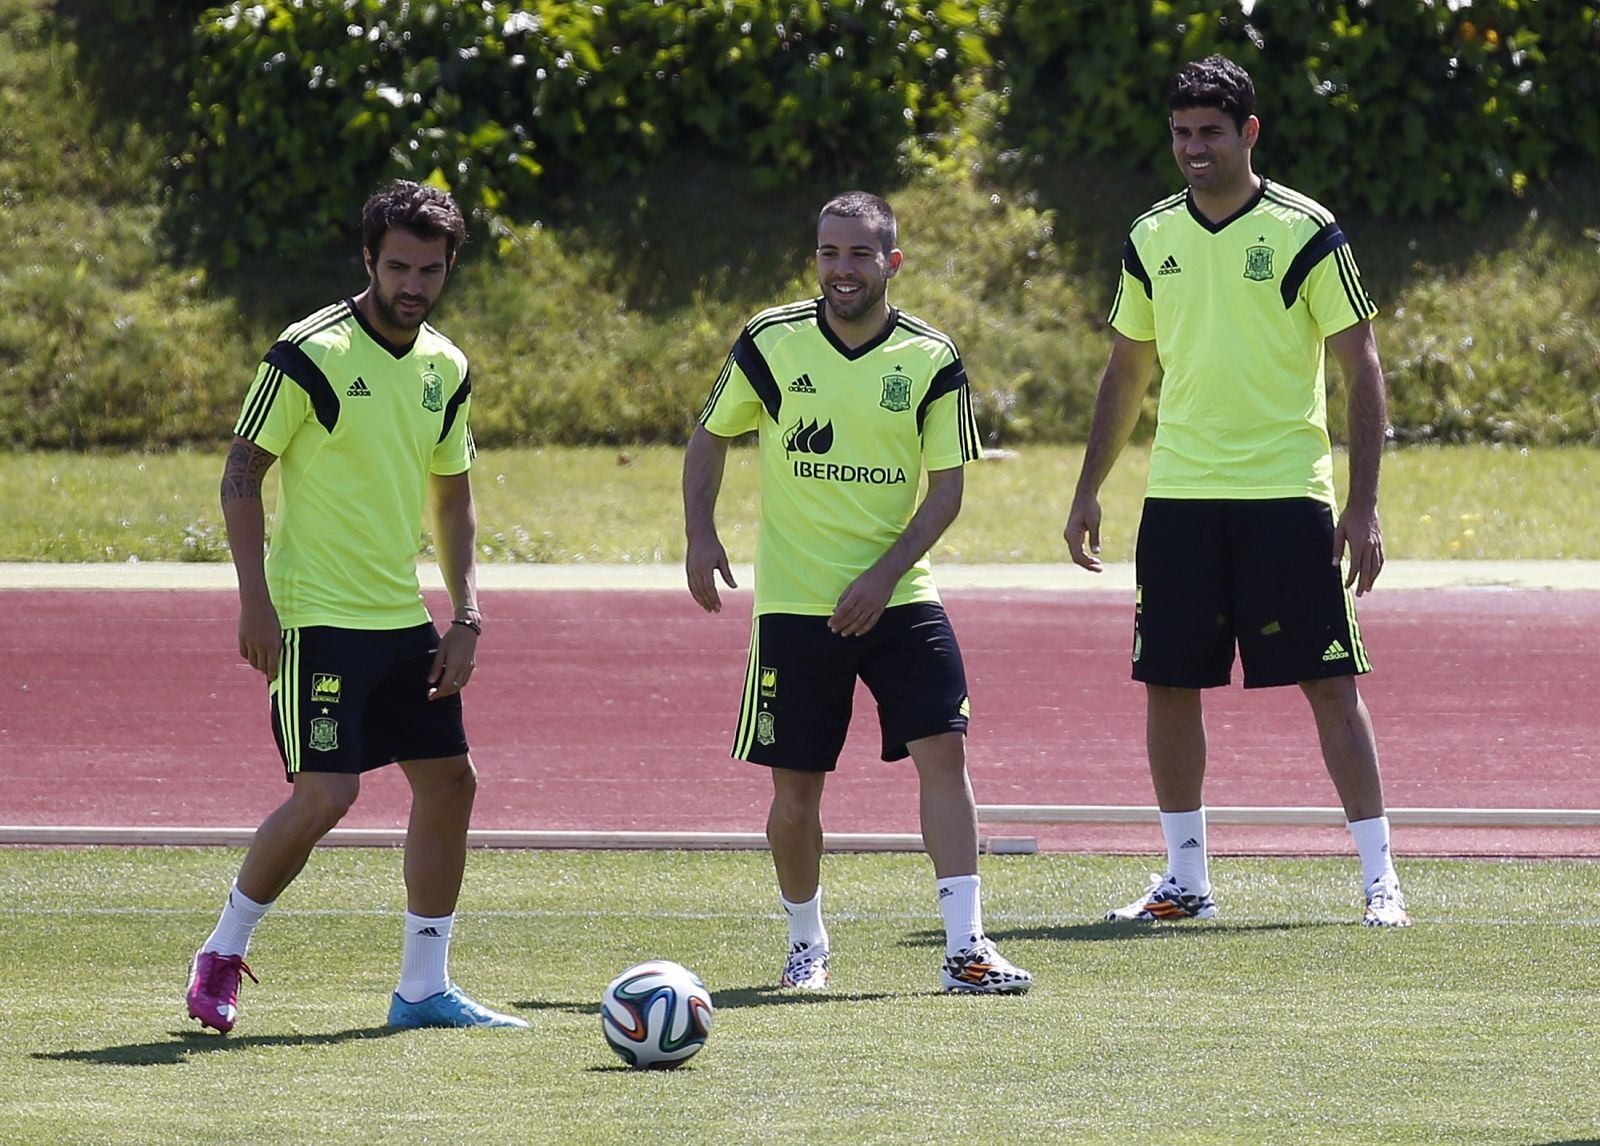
(802, 385)
(358, 389)
(1335, 652)
(1169, 266)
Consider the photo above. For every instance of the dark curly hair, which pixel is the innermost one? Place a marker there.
(1215, 81)
(417, 207)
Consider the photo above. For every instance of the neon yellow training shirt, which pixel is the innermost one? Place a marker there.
(843, 437)
(1239, 311)
(358, 424)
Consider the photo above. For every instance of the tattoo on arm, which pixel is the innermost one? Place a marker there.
(241, 477)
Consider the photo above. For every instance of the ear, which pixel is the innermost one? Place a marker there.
(896, 257)
(1252, 130)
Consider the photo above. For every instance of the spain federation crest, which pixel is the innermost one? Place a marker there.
(896, 393)
(1258, 263)
(432, 392)
(324, 734)
(766, 727)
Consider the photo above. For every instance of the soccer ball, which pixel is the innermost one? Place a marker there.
(656, 1014)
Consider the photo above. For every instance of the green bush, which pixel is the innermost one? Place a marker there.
(1404, 107)
(298, 109)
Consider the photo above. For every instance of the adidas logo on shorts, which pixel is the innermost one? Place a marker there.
(1335, 652)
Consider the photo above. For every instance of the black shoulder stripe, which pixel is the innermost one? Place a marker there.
(294, 362)
(1166, 204)
(717, 389)
(971, 446)
(748, 355)
(1360, 301)
(1284, 198)
(1135, 266)
(315, 321)
(916, 326)
(953, 376)
(255, 414)
(452, 407)
(792, 313)
(1317, 248)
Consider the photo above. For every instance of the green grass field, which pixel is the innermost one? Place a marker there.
(600, 504)
(1282, 1022)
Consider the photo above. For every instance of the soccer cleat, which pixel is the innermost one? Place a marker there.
(982, 970)
(213, 993)
(1165, 898)
(449, 1008)
(1386, 907)
(806, 968)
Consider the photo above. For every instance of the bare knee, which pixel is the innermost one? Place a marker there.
(1332, 693)
(796, 800)
(321, 800)
(451, 779)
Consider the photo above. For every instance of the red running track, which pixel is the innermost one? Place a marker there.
(606, 710)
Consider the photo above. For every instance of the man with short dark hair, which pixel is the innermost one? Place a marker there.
(1239, 286)
(367, 406)
(851, 399)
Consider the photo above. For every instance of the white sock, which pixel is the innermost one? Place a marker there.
(960, 901)
(1186, 849)
(425, 964)
(1372, 841)
(240, 915)
(805, 920)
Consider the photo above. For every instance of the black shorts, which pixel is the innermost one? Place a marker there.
(1259, 574)
(351, 700)
(801, 682)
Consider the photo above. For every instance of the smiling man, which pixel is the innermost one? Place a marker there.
(366, 404)
(851, 399)
(1239, 286)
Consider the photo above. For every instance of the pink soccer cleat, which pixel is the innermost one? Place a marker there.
(214, 988)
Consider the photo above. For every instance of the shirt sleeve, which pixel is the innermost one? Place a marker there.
(734, 407)
(949, 424)
(275, 408)
(455, 451)
(1132, 311)
(1334, 291)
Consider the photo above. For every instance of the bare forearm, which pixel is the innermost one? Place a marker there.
(455, 535)
(1116, 411)
(704, 461)
(243, 513)
(936, 513)
(1368, 424)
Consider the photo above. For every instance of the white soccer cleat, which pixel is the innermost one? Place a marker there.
(982, 970)
(806, 968)
(1165, 898)
(1386, 907)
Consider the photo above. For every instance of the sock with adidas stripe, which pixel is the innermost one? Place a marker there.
(425, 963)
(1186, 849)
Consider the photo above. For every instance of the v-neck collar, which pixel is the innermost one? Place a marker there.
(1215, 228)
(396, 352)
(867, 347)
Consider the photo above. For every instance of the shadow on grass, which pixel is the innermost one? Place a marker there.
(185, 1044)
(725, 999)
(1101, 930)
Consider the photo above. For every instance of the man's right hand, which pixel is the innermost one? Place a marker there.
(260, 635)
(704, 560)
(1084, 521)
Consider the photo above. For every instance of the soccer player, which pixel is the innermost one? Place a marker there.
(367, 406)
(850, 399)
(1237, 284)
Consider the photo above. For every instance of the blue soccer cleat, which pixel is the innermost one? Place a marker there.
(449, 1008)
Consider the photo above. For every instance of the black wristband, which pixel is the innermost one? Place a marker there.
(475, 626)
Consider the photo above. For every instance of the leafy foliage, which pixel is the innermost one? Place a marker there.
(1411, 108)
(298, 109)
